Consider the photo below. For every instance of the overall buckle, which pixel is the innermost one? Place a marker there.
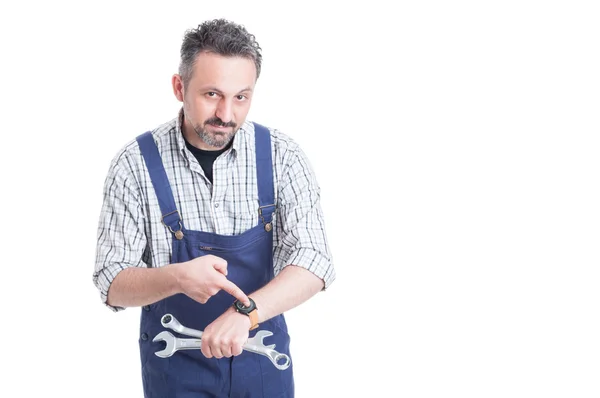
(179, 232)
(268, 225)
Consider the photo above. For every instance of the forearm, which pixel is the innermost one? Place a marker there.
(290, 288)
(134, 287)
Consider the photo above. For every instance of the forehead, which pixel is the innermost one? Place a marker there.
(227, 74)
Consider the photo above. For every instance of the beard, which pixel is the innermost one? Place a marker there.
(215, 138)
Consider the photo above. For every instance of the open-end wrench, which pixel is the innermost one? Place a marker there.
(174, 344)
(254, 344)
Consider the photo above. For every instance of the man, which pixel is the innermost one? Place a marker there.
(208, 213)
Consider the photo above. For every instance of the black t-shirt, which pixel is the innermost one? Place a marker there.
(206, 158)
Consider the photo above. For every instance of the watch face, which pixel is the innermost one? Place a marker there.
(243, 309)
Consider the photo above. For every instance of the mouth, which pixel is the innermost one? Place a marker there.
(220, 127)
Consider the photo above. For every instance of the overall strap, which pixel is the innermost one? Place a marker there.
(160, 182)
(264, 175)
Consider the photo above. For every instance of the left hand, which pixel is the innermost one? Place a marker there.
(226, 335)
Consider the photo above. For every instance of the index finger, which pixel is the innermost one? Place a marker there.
(235, 291)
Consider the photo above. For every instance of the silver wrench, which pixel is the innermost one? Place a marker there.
(255, 344)
(175, 344)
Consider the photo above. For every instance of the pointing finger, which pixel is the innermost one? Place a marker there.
(235, 291)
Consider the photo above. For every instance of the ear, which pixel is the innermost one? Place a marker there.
(177, 83)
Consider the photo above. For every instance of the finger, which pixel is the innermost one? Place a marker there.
(216, 352)
(235, 291)
(205, 348)
(220, 265)
(226, 350)
(236, 349)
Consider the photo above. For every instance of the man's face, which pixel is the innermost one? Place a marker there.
(217, 99)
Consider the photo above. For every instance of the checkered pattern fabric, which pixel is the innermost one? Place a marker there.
(130, 231)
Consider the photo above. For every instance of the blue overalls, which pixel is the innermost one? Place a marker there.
(189, 373)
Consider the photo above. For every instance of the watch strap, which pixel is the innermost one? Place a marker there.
(253, 315)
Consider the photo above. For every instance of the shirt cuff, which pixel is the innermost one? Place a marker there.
(103, 280)
(315, 262)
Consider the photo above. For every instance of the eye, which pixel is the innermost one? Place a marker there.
(211, 94)
(241, 97)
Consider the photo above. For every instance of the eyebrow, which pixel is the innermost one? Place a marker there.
(216, 90)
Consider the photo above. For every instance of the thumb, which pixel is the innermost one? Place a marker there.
(221, 266)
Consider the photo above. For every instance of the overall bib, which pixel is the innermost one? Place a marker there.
(188, 373)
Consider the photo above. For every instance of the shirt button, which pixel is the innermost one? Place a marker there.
(216, 205)
(144, 336)
(147, 307)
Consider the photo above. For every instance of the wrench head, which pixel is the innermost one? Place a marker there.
(280, 360)
(169, 339)
(259, 337)
(168, 320)
(261, 334)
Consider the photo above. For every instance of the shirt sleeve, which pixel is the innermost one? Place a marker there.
(121, 240)
(301, 237)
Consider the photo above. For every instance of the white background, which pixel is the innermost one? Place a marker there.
(456, 144)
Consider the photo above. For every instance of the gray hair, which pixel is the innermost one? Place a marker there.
(221, 37)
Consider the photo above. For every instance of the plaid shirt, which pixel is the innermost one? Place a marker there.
(130, 231)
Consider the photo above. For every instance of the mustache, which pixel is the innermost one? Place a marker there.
(215, 121)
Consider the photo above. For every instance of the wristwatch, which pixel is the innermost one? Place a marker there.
(251, 311)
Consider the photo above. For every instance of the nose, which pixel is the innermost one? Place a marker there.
(225, 110)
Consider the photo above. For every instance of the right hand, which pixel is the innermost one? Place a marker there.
(204, 276)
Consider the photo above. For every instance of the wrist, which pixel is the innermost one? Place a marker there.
(175, 275)
(246, 317)
(250, 312)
